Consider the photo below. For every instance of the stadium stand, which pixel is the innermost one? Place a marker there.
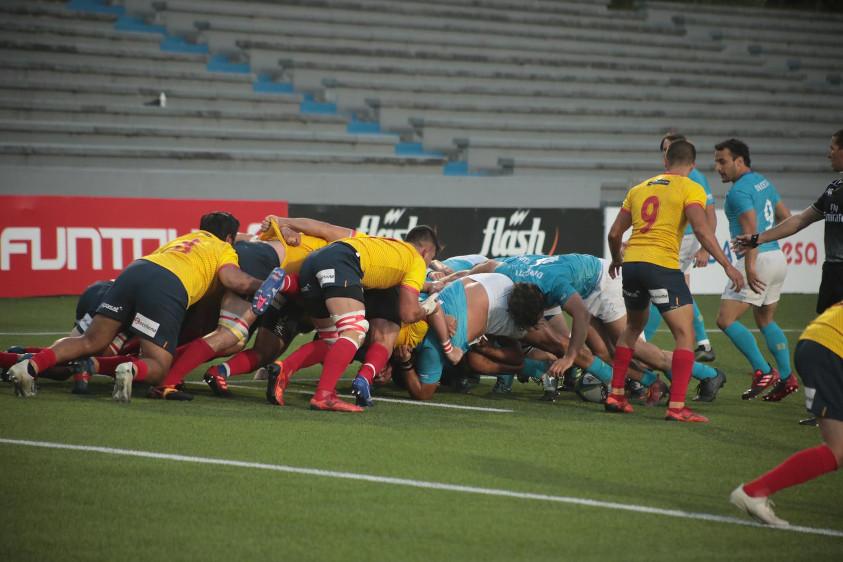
(549, 93)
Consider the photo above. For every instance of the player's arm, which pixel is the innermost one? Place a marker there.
(235, 279)
(417, 389)
(579, 331)
(310, 227)
(701, 258)
(508, 353)
(487, 266)
(702, 230)
(785, 228)
(622, 223)
(782, 212)
(409, 308)
(439, 267)
(749, 225)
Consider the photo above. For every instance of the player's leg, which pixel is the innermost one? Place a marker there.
(384, 325)
(151, 367)
(822, 373)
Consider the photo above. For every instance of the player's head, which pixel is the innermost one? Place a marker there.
(221, 224)
(668, 139)
(731, 159)
(425, 240)
(680, 154)
(525, 305)
(835, 151)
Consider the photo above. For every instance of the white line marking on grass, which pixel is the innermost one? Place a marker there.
(422, 484)
(393, 400)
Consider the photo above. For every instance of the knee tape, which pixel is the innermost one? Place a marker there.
(118, 342)
(352, 326)
(234, 324)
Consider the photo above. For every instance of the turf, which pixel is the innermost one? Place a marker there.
(74, 505)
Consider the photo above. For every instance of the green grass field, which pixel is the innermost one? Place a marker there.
(60, 504)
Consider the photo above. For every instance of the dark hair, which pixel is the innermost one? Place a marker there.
(220, 224)
(525, 305)
(737, 148)
(838, 138)
(681, 153)
(672, 137)
(423, 233)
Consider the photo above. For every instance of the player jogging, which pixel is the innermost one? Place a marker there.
(658, 210)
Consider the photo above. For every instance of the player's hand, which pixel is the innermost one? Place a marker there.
(266, 224)
(451, 323)
(384, 376)
(743, 242)
(735, 277)
(701, 258)
(436, 286)
(436, 275)
(291, 237)
(615, 269)
(404, 353)
(754, 282)
(558, 367)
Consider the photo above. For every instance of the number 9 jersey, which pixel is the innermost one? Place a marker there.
(752, 192)
(657, 208)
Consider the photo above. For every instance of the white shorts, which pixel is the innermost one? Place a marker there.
(771, 268)
(688, 252)
(606, 301)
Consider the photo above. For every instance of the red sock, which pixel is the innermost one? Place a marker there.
(244, 362)
(307, 355)
(623, 355)
(42, 361)
(8, 359)
(680, 369)
(338, 358)
(805, 465)
(141, 368)
(376, 357)
(107, 365)
(290, 284)
(131, 347)
(194, 354)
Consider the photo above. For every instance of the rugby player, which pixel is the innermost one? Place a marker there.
(819, 361)
(753, 206)
(691, 255)
(151, 296)
(658, 210)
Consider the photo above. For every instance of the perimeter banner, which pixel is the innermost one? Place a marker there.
(491, 232)
(51, 245)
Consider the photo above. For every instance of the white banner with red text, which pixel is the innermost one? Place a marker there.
(53, 245)
(805, 253)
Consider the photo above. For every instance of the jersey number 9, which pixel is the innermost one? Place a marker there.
(649, 212)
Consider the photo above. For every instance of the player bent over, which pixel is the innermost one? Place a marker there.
(658, 210)
(819, 361)
(151, 296)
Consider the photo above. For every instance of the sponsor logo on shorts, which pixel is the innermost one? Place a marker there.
(659, 296)
(810, 393)
(326, 277)
(111, 307)
(145, 325)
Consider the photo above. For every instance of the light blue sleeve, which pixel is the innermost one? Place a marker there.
(741, 201)
(428, 364)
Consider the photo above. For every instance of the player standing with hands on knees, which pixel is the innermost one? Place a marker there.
(658, 210)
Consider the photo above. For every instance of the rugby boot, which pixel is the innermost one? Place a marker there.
(707, 389)
(704, 354)
(328, 401)
(276, 383)
(569, 379)
(123, 376)
(217, 381)
(760, 381)
(4, 372)
(617, 404)
(82, 371)
(760, 509)
(550, 384)
(503, 384)
(782, 389)
(362, 391)
(25, 385)
(684, 415)
(266, 293)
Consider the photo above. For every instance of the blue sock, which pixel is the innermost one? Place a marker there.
(534, 368)
(648, 378)
(652, 322)
(700, 371)
(601, 370)
(699, 326)
(746, 344)
(506, 380)
(777, 344)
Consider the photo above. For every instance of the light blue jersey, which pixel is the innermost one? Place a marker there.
(698, 177)
(461, 263)
(751, 192)
(430, 359)
(557, 277)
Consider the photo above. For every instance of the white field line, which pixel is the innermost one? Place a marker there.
(421, 484)
(393, 400)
